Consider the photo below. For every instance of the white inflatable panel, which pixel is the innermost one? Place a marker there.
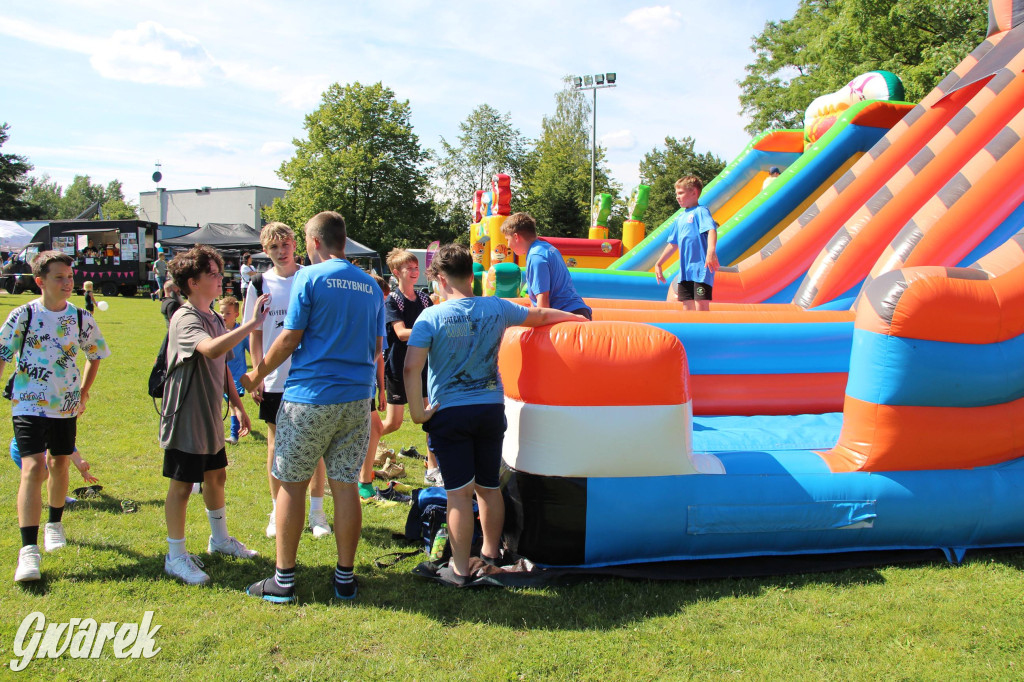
(600, 441)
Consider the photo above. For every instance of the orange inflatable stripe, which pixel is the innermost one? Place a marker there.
(782, 141)
(797, 316)
(881, 114)
(975, 215)
(909, 438)
(729, 394)
(962, 310)
(597, 363)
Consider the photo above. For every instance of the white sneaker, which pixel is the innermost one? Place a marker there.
(28, 564)
(187, 568)
(53, 537)
(231, 547)
(272, 526)
(433, 477)
(318, 523)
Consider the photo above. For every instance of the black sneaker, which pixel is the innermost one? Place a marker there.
(391, 495)
(410, 451)
(346, 591)
(269, 590)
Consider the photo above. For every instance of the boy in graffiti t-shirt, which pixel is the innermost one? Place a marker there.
(47, 395)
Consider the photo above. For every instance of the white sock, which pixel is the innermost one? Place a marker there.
(273, 505)
(218, 524)
(175, 548)
(316, 503)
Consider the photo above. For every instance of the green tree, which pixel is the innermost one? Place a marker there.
(829, 42)
(556, 173)
(44, 195)
(50, 201)
(14, 170)
(361, 158)
(660, 168)
(488, 143)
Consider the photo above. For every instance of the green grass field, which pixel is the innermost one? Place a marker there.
(919, 622)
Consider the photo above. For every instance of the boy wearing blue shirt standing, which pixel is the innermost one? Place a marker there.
(465, 421)
(548, 282)
(695, 235)
(332, 332)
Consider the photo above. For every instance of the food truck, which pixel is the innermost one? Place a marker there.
(116, 255)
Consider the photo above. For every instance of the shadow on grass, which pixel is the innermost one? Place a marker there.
(110, 505)
(584, 603)
(592, 601)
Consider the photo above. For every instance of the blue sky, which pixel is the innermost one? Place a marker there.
(217, 91)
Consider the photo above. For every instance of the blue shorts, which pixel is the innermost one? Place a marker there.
(466, 440)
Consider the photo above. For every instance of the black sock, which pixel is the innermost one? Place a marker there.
(284, 578)
(29, 535)
(343, 574)
(56, 514)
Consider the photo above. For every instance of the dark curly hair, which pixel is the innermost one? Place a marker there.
(192, 264)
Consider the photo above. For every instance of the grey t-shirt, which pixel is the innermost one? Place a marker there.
(194, 394)
(160, 267)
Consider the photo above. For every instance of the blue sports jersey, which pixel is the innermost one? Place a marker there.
(690, 234)
(462, 337)
(237, 364)
(341, 312)
(546, 272)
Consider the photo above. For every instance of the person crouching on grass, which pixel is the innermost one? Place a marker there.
(46, 398)
(465, 422)
(191, 430)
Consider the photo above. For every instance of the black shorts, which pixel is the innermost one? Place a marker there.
(585, 312)
(36, 435)
(269, 407)
(466, 440)
(693, 291)
(394, 388)
(189, 468)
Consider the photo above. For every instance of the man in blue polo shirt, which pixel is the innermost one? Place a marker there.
(333, 332)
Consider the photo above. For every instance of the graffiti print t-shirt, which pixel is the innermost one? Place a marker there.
(47, 382)
(463, 336)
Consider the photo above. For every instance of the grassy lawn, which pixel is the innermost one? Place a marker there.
(930, 621)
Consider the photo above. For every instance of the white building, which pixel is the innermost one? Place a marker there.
(198, 207)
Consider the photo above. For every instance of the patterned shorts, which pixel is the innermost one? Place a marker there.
(340, 433)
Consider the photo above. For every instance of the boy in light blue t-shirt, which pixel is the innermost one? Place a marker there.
(694, 235)
(465, 422)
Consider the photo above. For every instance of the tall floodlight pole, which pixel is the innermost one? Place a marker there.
(601, 80)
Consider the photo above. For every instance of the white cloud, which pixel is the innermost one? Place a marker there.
(656, 19)
(620, 139)
(152, 53)
(276, 148)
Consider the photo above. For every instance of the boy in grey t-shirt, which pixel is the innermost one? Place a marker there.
(191, 431)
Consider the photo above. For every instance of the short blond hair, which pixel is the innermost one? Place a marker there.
(690, 182)
(229, 301)
(275, 232)
(87, 285)
(400, 257)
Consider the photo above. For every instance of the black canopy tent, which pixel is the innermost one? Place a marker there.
(244, 238)
(219, 235)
